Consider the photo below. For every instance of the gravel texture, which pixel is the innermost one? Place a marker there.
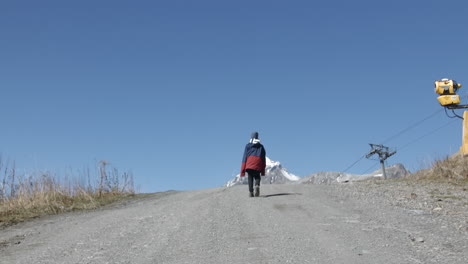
(438, 213)
(372, 222)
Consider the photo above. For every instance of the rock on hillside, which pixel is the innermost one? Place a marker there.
(395, 171)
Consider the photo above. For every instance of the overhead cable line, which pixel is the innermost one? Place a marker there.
(414, 141)
(371, 167)
(402, 132)
(427, 134)
(411, 126)
(350, 166)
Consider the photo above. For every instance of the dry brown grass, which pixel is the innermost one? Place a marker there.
(452, 169)
(25, 197)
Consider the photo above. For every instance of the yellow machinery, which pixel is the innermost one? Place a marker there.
(451, 100)
(448, 93)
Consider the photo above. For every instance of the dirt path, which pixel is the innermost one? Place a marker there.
(288, 224)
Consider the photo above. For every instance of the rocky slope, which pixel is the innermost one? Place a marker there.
(275, 173)
(392, 172)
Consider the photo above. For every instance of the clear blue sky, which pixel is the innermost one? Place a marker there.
(171, 90)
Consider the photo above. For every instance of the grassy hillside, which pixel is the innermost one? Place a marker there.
(452, 169)
(24, 197)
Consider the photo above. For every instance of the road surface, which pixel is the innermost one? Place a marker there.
(287, 224)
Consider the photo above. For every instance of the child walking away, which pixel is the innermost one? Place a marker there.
(253, 162)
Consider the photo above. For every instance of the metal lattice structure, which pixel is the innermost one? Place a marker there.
(383, 152)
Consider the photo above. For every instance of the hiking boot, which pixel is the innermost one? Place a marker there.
(251, 194)
(257, 191)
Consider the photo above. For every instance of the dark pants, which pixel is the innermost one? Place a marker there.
(253, 174)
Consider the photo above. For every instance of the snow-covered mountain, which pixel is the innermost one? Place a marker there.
(274, 174)
(394, 171)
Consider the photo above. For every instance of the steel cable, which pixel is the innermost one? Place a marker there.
(411, 126)
(402, 132)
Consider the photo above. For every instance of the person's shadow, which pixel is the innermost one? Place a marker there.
(279, 194)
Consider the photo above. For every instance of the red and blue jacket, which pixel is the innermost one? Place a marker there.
(254, 158)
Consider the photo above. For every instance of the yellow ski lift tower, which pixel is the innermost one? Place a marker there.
(451, 100)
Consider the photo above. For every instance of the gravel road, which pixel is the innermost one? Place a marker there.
(287, 224)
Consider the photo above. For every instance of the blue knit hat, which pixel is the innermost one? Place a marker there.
(254, 135)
